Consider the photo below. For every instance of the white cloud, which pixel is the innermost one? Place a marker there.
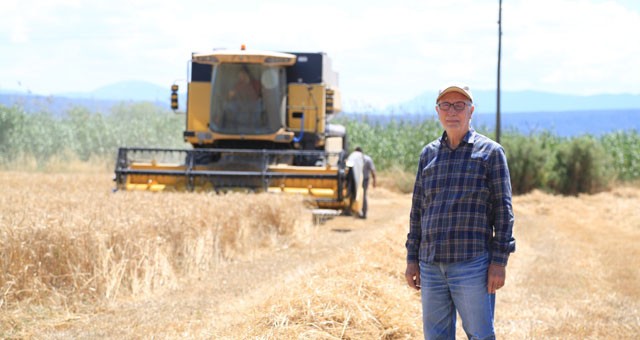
(574, 46)
(385, 52)
(18, 31)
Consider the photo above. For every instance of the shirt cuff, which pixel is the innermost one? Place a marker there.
(412, 258)
(500, 259)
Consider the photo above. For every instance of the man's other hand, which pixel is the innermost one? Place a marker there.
(412, 274)
(496, 277)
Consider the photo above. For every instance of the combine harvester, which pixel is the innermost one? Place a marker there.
(257, 121)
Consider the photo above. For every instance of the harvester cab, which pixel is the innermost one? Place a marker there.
(257, 121)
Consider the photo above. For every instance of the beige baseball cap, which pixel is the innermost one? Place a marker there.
(463, 89)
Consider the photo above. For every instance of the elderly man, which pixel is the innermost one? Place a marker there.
(461, 221)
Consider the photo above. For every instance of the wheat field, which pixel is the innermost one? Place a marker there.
(69, 242)
(79, 261)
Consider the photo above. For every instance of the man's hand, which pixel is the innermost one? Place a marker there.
(496, 277)
(412, 274)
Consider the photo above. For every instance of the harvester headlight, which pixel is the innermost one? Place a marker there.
(209, 59)
(276, 60)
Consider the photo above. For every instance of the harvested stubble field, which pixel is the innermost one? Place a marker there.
(79, 261)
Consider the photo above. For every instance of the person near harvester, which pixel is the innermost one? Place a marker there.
(368, 172)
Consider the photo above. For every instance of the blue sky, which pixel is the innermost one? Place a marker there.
(384, 51)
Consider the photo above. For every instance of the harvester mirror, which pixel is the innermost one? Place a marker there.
(174, 97)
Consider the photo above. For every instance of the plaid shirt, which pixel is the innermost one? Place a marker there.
(461, 203)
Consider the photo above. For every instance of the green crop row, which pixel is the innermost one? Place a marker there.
(566, 165)
(85, 134)
(582, 164)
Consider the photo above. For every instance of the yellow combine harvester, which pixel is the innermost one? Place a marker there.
(258, 121)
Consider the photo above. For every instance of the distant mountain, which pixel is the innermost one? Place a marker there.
(99, 100)
(565, 123)
(528, 101)
(485, 100)
(126, 90)
(54, 104)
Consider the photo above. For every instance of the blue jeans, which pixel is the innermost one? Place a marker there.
(460, 286)
(365, 186)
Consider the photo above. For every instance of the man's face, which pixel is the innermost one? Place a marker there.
(454, 121)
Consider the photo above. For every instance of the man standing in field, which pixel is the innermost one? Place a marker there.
(461, 221)
(368, 172)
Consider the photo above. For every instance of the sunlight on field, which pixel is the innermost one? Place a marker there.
(64, 162)
(67, 240)
(359, 295)
(574, 274)
(572, 277)
(79, 261)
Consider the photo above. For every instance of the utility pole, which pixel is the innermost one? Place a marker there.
(499, 55)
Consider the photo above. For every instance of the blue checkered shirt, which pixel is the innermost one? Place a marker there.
(461, 203)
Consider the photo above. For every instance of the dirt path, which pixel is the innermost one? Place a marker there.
(235, 289)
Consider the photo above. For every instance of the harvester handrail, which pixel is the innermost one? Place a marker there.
(245, 151)
(224, 173)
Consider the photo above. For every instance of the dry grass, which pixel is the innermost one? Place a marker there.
(81, 262)
(358, 295)
(574, 276)
(68, 241)
(63, 162)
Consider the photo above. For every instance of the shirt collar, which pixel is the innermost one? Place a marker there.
(468, 138)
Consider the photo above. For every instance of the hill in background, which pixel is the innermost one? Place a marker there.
(528, 101)
(103, 98)
(99, 100)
